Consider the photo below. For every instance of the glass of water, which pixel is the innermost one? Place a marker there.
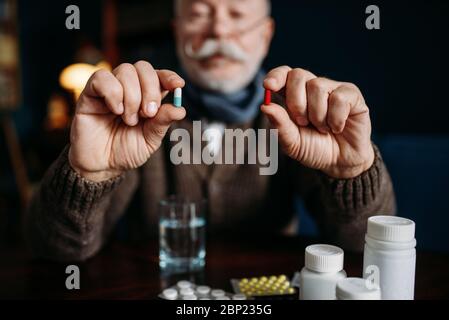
(182, 232)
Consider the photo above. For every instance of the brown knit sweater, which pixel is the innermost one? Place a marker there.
(71, 218)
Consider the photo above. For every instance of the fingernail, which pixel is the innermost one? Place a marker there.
(133, 119)
(302, 121)
(121, 108)
(152, 108)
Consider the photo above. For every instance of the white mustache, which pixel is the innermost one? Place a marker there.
(213, 47)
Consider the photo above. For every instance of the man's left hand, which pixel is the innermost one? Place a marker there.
(325, 125)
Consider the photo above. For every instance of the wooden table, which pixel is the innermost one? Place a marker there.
(124, 271)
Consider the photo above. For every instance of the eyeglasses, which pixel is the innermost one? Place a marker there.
(204, 24)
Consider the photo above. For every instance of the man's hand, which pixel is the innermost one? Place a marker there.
(325, 125)
(119, 121)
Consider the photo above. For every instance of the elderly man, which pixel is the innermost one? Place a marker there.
(119, 149)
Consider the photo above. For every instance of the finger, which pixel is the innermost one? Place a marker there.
(150, 88)
(132, 96)
(296, 95)
(339, 108)
(318, 91)
(288, 132)
(102, 84)
(157, 127)
(275, 79)
(344, 101)
(169, 81)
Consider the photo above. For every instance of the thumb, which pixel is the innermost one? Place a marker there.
(288, 132)
(156, 128)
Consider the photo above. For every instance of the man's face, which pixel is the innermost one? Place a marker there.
(222, 43)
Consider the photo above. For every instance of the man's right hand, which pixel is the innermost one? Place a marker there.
(119, 120)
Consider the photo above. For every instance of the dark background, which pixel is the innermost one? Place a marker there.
(401, 69)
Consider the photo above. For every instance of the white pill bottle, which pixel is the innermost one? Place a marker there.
(321, 273)
(390, 250)
(357, 289)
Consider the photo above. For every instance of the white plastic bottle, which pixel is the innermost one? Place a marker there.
(390, 249)
(357, 289)
(323, 269)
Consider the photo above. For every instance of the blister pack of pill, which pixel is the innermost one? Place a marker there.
(265, 287)
(186, 290)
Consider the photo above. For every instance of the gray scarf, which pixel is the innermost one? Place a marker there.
(236, 108)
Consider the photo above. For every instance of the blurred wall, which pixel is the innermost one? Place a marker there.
(402, 69)
(46, 48)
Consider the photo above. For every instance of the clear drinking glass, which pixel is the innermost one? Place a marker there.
(182, 232)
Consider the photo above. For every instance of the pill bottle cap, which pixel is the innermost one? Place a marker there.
(357, 289)
(390, 228)
(324, 258)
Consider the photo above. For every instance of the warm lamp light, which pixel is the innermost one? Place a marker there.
(75, 76)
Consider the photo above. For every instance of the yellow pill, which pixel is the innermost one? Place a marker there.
(283, 277)
(263, 278)
(291, 290)
(273, 278)
(244, 280)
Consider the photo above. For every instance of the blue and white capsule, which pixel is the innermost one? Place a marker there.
(177, 97)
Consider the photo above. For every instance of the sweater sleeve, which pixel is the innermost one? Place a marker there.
(70, 217)
(341, 207)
